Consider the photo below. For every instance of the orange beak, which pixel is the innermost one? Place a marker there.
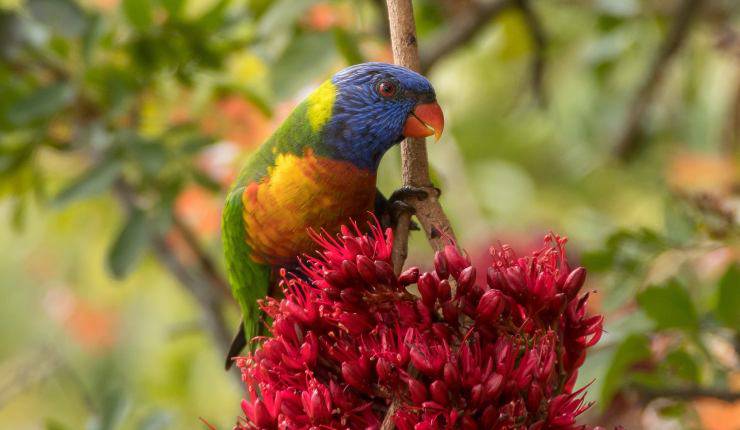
(426, 120)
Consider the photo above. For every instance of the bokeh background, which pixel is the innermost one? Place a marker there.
(122, 123)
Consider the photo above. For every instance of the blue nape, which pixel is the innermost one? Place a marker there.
(364, 124)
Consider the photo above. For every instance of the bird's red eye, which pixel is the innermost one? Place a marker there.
(387, 89)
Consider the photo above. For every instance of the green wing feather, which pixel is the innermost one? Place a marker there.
(249, 280)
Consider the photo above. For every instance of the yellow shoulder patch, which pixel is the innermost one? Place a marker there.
(320, 105)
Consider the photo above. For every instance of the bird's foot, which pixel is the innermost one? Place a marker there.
(409, 191)
(398, 202)
(397, 208)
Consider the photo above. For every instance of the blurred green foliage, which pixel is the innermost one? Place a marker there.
(122, 123)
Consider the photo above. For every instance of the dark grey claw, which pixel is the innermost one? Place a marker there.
(406, 192)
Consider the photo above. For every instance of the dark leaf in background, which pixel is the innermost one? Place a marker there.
(52, 424)
(669, 306)
(150, 155)
(41, 103)
(257, 99)
(157, 420)
(91, 38)
(728, 298)
(679, 225)
(64, 17)
(12, 161)
(93, 182)
(347, 46)
(173, 7)
(681, 364)
(138, 13)
(205, 181)
(128, 247)
(290, 73)
(115, 407)
(633, 349)
(18, 218)
(282, 15)
(214, 15)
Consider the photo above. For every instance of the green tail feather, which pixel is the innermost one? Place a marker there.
(249, 280)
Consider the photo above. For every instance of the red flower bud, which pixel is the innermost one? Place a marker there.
(409, 276)
(451, 375)
(574, 282)
(465, 281)
(344, 336)
(439, 393)
(384, 369)
(384, 273)
(427, 289)
(366, 268)
(354, 376)
(444, 291)
(490, 306)
(440, 265)
(417, 391)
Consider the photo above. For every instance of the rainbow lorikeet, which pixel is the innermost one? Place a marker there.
(317, 171)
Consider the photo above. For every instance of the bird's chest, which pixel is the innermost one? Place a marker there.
(298, 193)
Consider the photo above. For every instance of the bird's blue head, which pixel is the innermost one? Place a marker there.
(375, 106)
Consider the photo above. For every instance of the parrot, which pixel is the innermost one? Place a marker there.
(318, 171)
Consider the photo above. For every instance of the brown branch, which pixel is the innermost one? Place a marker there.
(204, 260)
(460, 30)
(731, 140)
(688, 393)
(539, 42)
(629, 140)
(414, 162)
(199, 283)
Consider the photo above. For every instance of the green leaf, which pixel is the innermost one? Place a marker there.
(290, 73)
(679, 225)
(52, 424)
(64, 17)
(669, 306)
(598, 260)
(41, 103)
(205, 181)
(633, 349)
(158, 420)
(18, 218)
(282, 15)
(150, 155)
(347, 46)
(728, 298)
(681, 364)
(129, 245)
(173, 7)
(93, 182)
(138, 13)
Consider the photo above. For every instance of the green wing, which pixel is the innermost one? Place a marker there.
(249, 280)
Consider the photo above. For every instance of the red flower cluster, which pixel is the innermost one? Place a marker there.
(350, 336)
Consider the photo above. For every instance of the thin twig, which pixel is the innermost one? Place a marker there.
(460, 30)
(731, 139)
(200, 285)
(539, 48)
(629, 139)
(204, 260)
(414, 162)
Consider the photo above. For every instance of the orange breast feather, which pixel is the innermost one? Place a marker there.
(298, 193)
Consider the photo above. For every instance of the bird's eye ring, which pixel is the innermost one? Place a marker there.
(387, 89)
